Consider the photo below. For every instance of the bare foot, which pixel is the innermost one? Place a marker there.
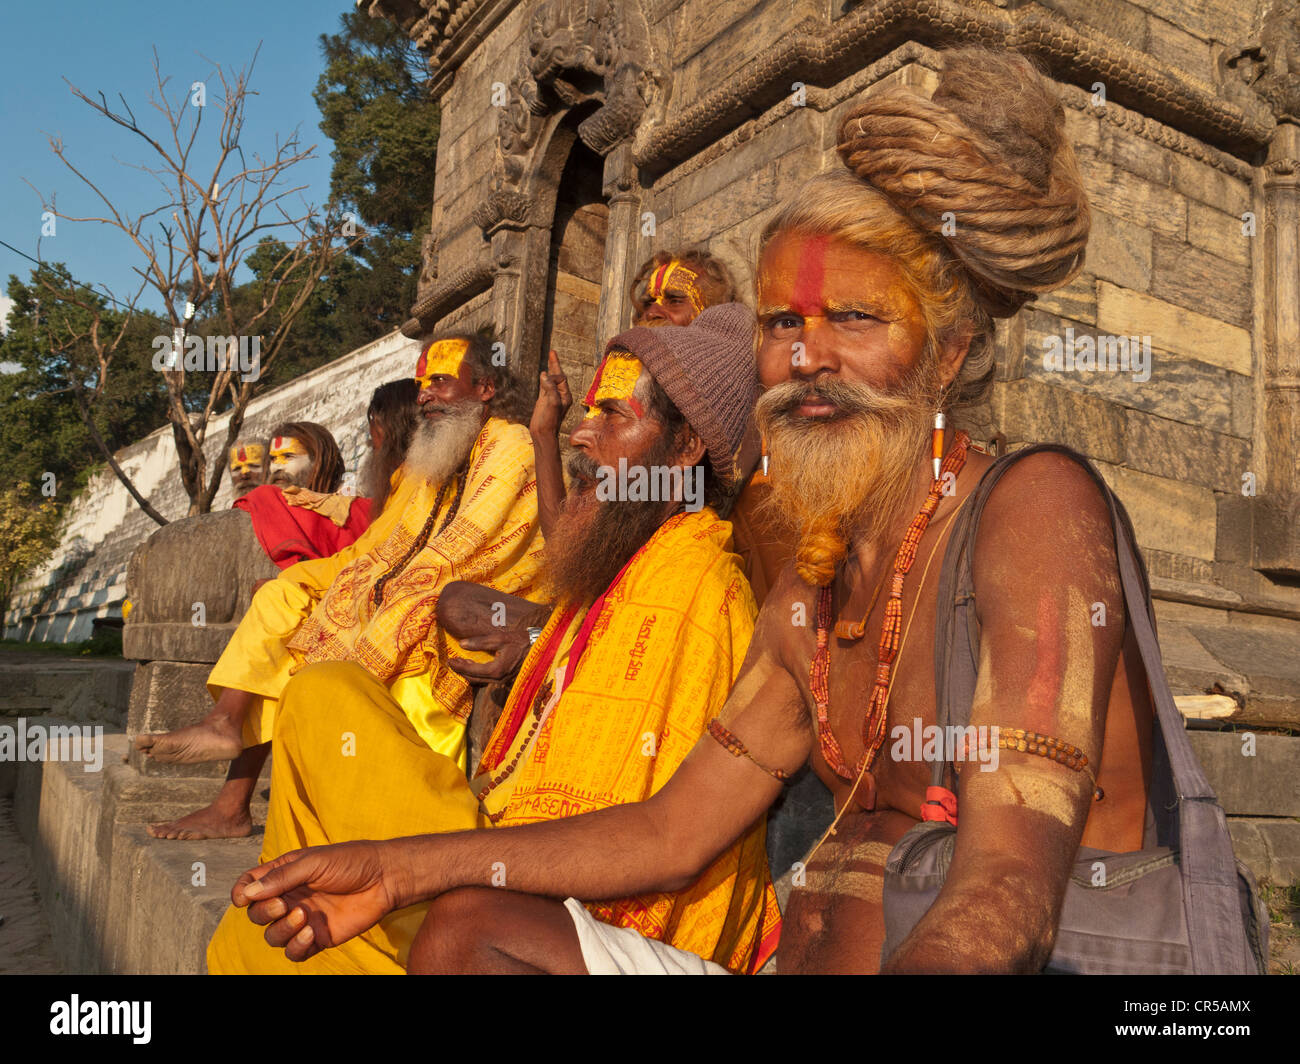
(207, 823)
(214, 739)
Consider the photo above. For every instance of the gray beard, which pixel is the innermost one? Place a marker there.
(439, 448)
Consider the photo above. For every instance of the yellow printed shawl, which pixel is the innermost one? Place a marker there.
(492, 540)
(660, 661)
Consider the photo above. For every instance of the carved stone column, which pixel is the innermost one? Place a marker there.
(1277, 518)
(623, 193)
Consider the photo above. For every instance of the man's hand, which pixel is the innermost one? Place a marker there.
(553, 401)
(481, 619)
(310, 900)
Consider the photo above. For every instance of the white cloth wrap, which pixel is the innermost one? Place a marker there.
(609, 950)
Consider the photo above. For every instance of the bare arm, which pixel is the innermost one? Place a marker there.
(1044, 561)
(553, 402)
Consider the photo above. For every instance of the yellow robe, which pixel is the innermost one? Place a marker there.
(321, 610)
(661, 659)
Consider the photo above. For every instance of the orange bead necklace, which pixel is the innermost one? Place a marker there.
(873, 724)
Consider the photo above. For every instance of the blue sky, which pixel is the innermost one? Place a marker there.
(108, 47)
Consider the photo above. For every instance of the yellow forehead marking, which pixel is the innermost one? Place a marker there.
(616, 379)
(443, 358)
(685, 281)
(251, 455)
(282, 447)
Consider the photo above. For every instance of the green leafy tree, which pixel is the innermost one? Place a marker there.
(29, 526)
(375, 107)
(43, 436)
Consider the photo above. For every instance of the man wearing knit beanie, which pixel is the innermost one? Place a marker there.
(652, 619)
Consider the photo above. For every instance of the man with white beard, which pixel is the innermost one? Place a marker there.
(462, 506)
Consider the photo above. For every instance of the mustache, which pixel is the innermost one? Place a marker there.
(583, 467)
(849, 398)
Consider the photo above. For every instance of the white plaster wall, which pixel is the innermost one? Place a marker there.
(86, 576)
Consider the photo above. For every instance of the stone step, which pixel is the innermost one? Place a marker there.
(1252, 774)
(94, 690)
(1268, 846)
(117, 900)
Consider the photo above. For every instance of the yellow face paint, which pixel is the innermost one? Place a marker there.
(616, 379)
(285, 448)
(674, 277)
(443, 358)
(245, 459)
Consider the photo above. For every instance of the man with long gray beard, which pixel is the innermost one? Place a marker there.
(652, 620)
(462, 507)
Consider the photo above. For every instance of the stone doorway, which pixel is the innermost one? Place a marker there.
(574, 273)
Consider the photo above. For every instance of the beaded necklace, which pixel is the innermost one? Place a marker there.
(873, 724)
(422, 540)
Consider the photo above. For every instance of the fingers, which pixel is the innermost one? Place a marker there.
(274, 878)
(553, 365)
(477, 670)
(281, 932)
(295, 935)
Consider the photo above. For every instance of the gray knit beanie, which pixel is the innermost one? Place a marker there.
(707, 369)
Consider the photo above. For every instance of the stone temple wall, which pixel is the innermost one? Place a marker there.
(704, 115)
(86, 576)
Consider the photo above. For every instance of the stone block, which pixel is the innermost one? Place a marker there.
(1134, 154)
(1119, 252)
(1282, 838)
(1033, 411)
(1267, 656)
(1243, 406)
(1179, 49)
(1135, 200)
(1218, 233)
(1185, 453)
(1234, 528)
(1204, 183)
(211, 561)
(1248, 845)
(1263, 784)
(1117, 19)
(1076, 302)
(1203, 281)
(1173, 328)
(167, 695)
(1224, 23)
(1167, 515)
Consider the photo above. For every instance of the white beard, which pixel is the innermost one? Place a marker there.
(439, 448)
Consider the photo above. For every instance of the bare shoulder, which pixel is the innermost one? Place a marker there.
(1044, 510)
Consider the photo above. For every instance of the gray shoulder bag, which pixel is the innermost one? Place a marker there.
(1180, 905)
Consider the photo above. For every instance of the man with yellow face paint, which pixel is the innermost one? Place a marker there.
(462, 507)
(247, 466)
(669, 288)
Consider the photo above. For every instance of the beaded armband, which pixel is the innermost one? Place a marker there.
(1030, 742)
(736, 748)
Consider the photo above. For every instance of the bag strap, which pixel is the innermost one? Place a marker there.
(1209, 874)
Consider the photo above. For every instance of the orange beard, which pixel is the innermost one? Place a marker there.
(847, 477)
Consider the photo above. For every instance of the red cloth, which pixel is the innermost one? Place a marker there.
(291, 534)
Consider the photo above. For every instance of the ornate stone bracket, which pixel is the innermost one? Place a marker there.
(460, 287)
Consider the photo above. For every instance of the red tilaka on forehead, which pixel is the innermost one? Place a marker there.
(807, 297)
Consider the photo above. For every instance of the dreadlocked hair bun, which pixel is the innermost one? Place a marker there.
(989, 146)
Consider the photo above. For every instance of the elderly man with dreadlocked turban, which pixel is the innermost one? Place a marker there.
(876, 319)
